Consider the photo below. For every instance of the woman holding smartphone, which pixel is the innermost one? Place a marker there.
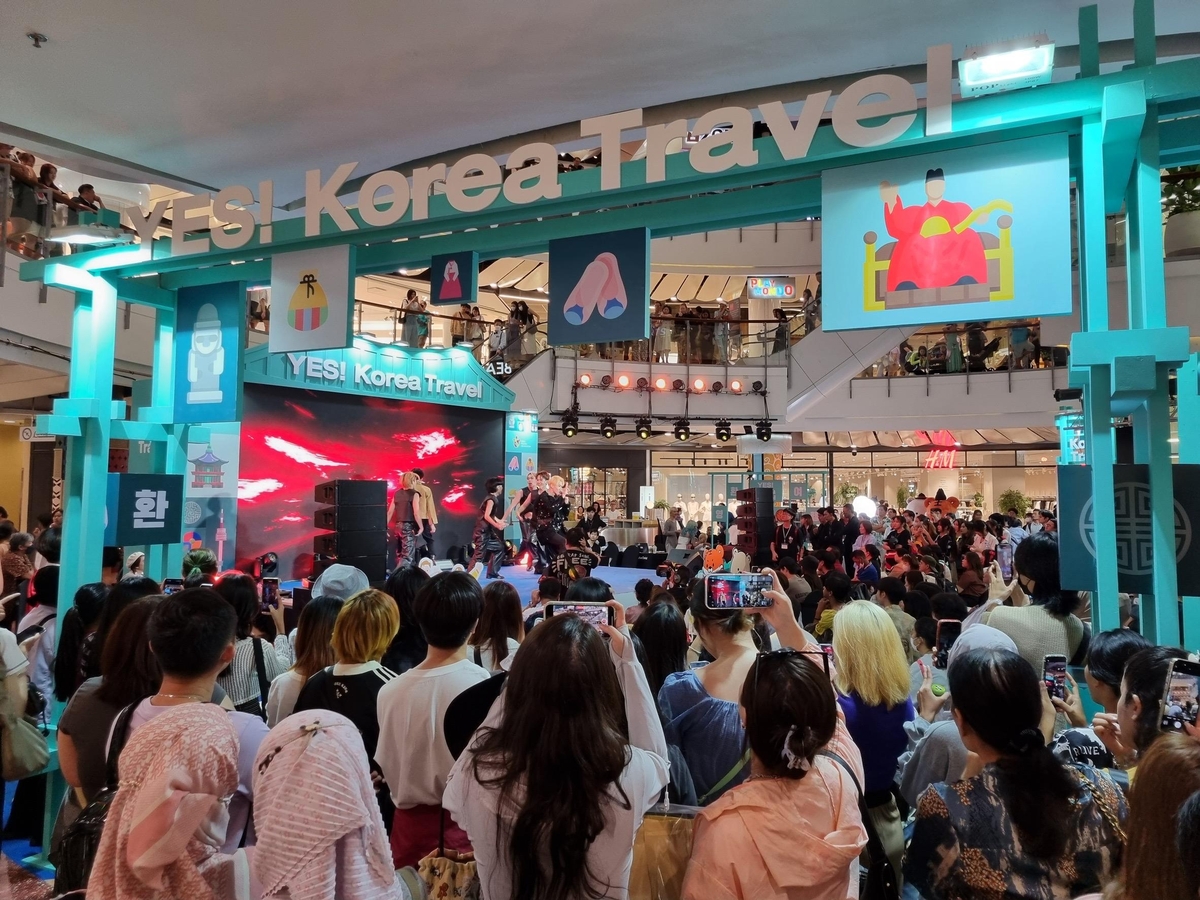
(557, 818)
(804, 782)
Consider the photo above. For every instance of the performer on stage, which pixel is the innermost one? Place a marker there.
(489, 530)
(404, 517)
(429, 518)
(525, 517)
(549, 515)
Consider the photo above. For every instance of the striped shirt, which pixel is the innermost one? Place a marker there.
(240, 680)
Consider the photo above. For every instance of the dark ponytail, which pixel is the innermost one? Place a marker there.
(999, 696)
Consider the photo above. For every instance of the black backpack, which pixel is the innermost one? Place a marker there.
(81, 840)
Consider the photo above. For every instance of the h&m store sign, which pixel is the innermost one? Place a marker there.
(717, 141)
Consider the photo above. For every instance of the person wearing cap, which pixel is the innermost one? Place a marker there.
(134, 564)
(340, 582)
(935, 245)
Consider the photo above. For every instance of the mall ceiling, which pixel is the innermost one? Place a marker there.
(221, 92)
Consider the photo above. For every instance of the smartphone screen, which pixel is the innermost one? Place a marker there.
(828, 650)
(270, 593)
(1004, 556)
(1054, 676)
(596, 614)
(172, 585)
(948, 631)
(25, 635)
(1181, 703)
(740, 591)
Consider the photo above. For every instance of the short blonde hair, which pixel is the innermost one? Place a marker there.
(558, 481)
(870, 658)
(408, 481)
(365, 627)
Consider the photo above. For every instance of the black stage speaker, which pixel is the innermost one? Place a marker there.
(352, 493)
(357, 526)
(756, 523)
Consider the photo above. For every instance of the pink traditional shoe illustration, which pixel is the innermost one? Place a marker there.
(612, 300)
(586, 293)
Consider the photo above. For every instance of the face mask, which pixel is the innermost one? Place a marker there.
(912, 641)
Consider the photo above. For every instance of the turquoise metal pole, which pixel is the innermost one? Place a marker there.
(1188, 399)
(1089, 42)
(1099, 450)
(1151, 427)
(1093, 249)
(163, 399)
(1143, 229)
(1145, 51)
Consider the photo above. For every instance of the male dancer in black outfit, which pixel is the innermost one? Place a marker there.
(549, 516)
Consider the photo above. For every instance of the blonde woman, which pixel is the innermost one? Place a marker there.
(362, 632)
(873, 684)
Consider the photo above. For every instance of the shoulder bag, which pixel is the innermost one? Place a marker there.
(877, 879)
(77, 850)
(23, 747)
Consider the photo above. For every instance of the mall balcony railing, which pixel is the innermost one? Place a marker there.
(969, 350)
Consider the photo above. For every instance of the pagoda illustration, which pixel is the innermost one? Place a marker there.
(208, 470)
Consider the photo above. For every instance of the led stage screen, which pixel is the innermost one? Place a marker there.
(293, 440)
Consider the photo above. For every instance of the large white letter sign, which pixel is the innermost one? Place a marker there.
(474, 172)
(233, 215)
(849, 111)
(181, 211)
(368, 207)
(793, 143)
(543, 174)
(739, 139)
(319, 198)
(609, 129)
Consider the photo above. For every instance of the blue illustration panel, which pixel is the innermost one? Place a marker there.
(453, 278)
(599, 288)
(210, 334)
(959, 236)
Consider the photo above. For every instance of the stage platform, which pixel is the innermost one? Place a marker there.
(620, 579)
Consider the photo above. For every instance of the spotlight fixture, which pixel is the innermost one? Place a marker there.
(735, 386)
(682, 430)
(605, 381)
(622, 381)
(570, 425)
(644, 429)
(661, 384)
(678, 385)
(723, 431)
(763, 430)
(756, 387)
(717, 387)
(608, 428)
(698, 385)
(585, 380)
(643, 384)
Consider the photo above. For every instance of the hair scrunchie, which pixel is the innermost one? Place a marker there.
(1028, 741)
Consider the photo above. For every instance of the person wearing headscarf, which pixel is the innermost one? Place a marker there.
(320, 833)
(166, 824)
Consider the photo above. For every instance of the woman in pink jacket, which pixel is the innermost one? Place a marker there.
(800, 792)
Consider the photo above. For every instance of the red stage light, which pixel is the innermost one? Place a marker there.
(623, 381)
(661, 384)
(698, 385)
(585, 379)
(735, 386)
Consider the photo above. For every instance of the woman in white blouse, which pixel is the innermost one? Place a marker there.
(570, 807)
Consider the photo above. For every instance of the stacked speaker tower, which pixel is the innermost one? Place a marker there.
(356, 521)
(756, 523)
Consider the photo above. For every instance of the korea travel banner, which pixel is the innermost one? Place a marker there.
(311, 299)
(959, 236)
(209, 339)
(599, 288)
(143, 510)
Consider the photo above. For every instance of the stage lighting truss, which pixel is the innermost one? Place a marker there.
(683, 430)
(644, 428)
(723, 430)
(608, 427)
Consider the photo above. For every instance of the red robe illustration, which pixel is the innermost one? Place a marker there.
(939, 260)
